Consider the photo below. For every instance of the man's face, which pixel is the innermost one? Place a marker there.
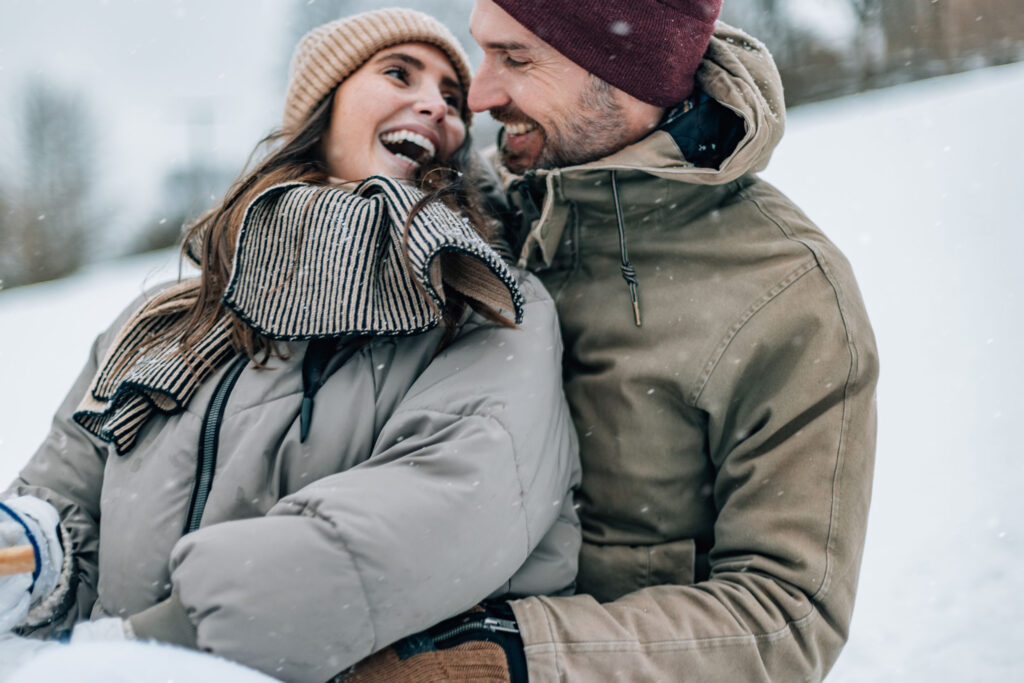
(555, 113)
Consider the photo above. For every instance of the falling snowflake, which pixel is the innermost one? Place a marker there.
(621, 28)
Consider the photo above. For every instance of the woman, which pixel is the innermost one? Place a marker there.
(335, 436)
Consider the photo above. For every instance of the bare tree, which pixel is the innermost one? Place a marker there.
(48, 211)
(6, 248)
(191, 186)
(187, 191)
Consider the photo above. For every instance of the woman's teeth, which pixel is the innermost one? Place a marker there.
(519, 128)
(409, 146)
(405, 158)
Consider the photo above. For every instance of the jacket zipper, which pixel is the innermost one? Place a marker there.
(208, 442)
(489, 629)
(491, 624)
(465, 628)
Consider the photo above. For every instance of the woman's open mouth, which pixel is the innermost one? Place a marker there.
(408, 146)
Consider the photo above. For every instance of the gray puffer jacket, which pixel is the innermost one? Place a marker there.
(425, 484)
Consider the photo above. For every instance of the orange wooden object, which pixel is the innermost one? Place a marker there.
(17, 560)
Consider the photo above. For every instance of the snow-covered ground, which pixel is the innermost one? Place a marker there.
(923, 188)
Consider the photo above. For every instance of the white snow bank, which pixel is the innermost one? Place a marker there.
(46, 332)
(120, 662)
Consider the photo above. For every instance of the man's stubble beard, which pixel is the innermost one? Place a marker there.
(596, 129)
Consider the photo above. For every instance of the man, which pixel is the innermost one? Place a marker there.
(719, 362)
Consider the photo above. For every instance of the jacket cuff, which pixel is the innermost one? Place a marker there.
(534, 627)
(57, 604)
(166, 622)
(538, 640)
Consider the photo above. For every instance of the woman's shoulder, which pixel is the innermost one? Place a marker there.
(538, 305)
(532, 288)
(539, 321)
(149, 296)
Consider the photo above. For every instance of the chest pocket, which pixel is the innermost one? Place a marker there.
(610, 571)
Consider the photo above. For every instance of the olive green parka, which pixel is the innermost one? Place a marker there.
(728, 441)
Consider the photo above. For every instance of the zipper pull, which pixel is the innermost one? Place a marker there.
(503, 625)
(305, 417)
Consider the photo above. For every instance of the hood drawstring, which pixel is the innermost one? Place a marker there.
(628, 272)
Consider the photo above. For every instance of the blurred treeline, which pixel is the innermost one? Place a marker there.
(48, 209)
(824, 48)
(828, 48)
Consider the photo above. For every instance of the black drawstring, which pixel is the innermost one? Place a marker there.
(628, 272)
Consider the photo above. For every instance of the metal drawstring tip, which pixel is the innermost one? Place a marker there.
(636, 313)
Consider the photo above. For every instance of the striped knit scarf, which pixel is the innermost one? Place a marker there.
(310, 262)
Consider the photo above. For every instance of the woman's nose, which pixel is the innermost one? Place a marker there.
(432, 105)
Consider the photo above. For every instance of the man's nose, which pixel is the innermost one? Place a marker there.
(486, 92)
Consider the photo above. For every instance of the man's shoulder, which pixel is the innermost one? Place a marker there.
(773, 205)
(786, 218)
(758, 218)
(743, 257)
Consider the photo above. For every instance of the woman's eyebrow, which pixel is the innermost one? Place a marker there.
(417, 64)
(408, 59)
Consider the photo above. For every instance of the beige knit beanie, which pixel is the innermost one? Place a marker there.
(328, 54)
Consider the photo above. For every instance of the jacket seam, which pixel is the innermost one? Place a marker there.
(307, 510)
(551, 630)
(199, 412)
(745, 317)
(515, 459)
(850, 378)
(676, 644)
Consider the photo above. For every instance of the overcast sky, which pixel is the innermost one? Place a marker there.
(145, 69)
(150, 70)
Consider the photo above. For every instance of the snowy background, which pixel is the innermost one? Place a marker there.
(921, 186)
(158, 88)
(122, 119)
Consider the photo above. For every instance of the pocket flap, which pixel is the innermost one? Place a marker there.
(610, 571)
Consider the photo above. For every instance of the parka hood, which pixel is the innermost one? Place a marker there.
(740, 89)
(727, 129)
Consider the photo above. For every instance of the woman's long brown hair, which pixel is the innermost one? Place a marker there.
(211, 239)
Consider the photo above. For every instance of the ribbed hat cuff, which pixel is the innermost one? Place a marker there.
(649, 49)
(330, 53)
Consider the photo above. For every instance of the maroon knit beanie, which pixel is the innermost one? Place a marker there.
(648, 48)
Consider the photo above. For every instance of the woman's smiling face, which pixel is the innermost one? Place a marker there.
(399, 110)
